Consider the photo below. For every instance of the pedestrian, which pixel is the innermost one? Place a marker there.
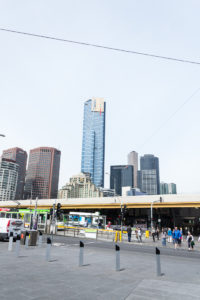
(139, 235)
(136, 233)
(153, 233)
(173, 236)
(190, 240)
(169, 233)
(164, 237)
(176, 237)
(157, 233)
(181, 237)
(129, 231)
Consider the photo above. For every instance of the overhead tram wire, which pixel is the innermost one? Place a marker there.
(170, 117)
(101, 46)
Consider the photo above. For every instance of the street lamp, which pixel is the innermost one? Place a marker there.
(154, 201)
(115, 194)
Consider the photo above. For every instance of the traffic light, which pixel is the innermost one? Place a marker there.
(124, 210)
(58, 210)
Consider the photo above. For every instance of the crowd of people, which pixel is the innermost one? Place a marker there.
(169, 235)
(174, 236)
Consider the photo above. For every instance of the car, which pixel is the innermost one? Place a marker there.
(8, 225)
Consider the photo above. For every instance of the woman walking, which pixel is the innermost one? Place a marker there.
(164, 237)
(190, 240)
(169, 233)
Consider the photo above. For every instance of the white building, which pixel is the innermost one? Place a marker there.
(8, 179)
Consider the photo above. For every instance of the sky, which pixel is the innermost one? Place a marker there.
(44, 83)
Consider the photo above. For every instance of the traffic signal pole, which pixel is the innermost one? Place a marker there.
(160, 200)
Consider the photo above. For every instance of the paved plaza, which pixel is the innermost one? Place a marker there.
(30, 276)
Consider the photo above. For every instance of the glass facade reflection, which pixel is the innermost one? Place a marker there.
(149, 175)
(121, 176)
(93, 143)
(20, 157)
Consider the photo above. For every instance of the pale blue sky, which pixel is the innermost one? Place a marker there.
(43, 83)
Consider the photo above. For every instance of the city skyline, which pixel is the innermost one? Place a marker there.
(44, 82)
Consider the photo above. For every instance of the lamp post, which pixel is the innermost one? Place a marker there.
(152, 203)
(115, 194)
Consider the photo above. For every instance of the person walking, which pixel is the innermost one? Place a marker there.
(139, 235)
(190, 241)
(153, 233)
(169, 233)
(157, 233)
(176, 237)
(163, 237)
(129, 231)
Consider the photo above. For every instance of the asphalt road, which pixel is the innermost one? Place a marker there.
(141, 248)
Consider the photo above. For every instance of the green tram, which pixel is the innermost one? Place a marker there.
(28, 215)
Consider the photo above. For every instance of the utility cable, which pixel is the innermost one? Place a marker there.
(170, 117)
(101, 46)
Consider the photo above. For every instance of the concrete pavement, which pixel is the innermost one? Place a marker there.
(31, 277)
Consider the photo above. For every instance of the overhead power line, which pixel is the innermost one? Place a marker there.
(170, 117)
(101, 46)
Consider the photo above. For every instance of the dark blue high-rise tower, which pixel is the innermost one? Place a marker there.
(93, 143)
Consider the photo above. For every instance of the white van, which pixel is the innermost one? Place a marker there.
(8, 225)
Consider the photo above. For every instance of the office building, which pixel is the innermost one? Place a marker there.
(43, 173)
(168, 188)
(133, 161)
(93, 143)
(20, 157)
(8, 179)
(121, 176)
(80, 186)
(149, 176)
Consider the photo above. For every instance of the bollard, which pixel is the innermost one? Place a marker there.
(10, 245)
(40, 239)
(81, 254)
(48, 249)
(158, 262)
(17, 247)
(26, 240)
(117, 248)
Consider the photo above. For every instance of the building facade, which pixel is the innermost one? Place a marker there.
(133, 161)
(20, 157)
(168, 188)
(149, 175)
(80, 186)
(43, 173)
(121, 176)
(8, 179)
(93, 142)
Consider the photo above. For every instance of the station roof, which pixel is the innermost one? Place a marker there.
(178, 200)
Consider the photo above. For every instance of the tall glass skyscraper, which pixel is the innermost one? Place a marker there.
(93, 143)
(149, 175)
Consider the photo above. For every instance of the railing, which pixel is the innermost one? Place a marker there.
(98, 234)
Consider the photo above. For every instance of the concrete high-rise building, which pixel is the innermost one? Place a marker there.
(20, 157)
(93, 143)
(133, 161)
(8, 179)
(80, 186)
(149, 175)
(43, 173)
(121, 176)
